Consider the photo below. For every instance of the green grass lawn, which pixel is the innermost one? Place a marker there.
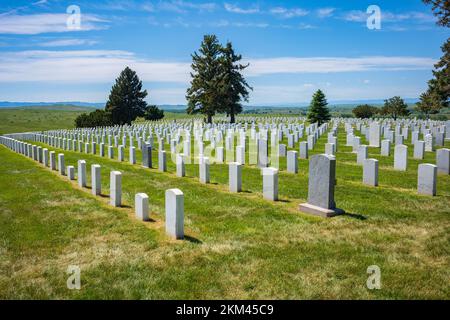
(24, 119)
(237, 245)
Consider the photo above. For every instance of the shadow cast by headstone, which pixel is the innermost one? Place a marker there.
(192, 239)
(354, 215)
(283, 200)
(103, 195)
(125, 206)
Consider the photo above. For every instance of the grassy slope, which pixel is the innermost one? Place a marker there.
(38, 118)
(23, 119)
(238, 245)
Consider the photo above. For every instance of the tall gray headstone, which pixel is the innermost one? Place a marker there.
(146, 155)
(322, 180)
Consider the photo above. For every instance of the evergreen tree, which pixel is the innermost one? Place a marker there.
(429, 103)
(97, 118)
(441, 9)
(438, 93)
(318, 110)
(126, 100)
(395, 107)
(233, 85)
(153, 113)
(204, 95)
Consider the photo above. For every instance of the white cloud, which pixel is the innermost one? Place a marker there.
(101, 66)
(325, 12)
(387, 16)
(305, 26)
(37, 3)
(176, 6)
(206, 6)
(249, 25)
(46, 23)
(289, 13)
(85, 66)
(284, 94)
(148, 7)
(235, 9)
(223, 23)
(260, 67)
(67, 42)
(366, 81)
(355, 16)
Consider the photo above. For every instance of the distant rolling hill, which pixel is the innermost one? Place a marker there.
(180, 107)
(9, 104)
(55, 107)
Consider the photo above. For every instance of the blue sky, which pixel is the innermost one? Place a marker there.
(293, 47)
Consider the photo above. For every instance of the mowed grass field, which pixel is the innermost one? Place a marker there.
(37, 118)
(237, 245)
(23, 119)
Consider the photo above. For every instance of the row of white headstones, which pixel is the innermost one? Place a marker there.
(174, 198)
(321, 181)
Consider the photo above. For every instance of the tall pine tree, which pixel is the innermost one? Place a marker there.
(318, 109)
(438, 93)
(204, 95)
(126, 100)
(441, 9)
(233, 85)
